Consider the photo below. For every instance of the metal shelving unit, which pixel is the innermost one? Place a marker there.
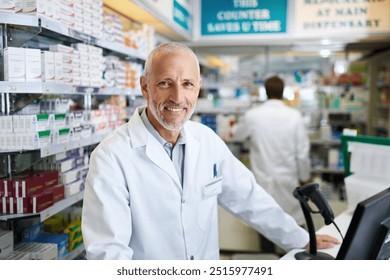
(60, 88)
(20, 30)
(379, 106)
(51, 27)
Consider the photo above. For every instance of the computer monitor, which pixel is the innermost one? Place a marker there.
(368, 235)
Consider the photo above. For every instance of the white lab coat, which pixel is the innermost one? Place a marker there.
(279, 151)
(135, 207)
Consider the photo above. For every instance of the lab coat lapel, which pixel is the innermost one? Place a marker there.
(156, 153)
(140, 137)
(191, 160)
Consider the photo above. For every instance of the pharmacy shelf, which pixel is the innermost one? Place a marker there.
(119, 48)
(59, 29)
(37, 88)
(19, 19)
(59, 88)
(47, 213)
(119, 91)
(63, 147)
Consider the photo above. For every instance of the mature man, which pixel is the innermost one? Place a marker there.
(154, 184)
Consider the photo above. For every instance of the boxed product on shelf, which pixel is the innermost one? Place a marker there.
(11, 6)
(36, 140)
(39, 251)
(58, 121)
(76, 118)
(74, 234)
(14, 255)
(71, 176)
(58, 67)
(33, 65)
(10, 205)
(28, 186)
(55, 105)
(61, 49)
(41, 202)
(34, 7)
(14, 64)
(32, 232)
(61, 135)
(65, 165)
(58, 192)
(6, 187)
(47, 65)
(69, 154)
(74, 188)
(35, 123)
(86, 131)
(75, 133)
(20, 205)
(18, 123)
(50, 177)
(61, 240)
(6, 242)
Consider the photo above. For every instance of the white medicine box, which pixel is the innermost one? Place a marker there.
(14, 64)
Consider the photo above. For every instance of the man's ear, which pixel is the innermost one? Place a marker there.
(144, 87)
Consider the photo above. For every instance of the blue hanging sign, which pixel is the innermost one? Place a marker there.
(181, 15)
(237, 17)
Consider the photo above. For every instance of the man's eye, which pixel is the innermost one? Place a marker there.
(188, 85)
(163, 83)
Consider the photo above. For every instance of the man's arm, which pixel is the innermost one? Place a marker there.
(106, 221)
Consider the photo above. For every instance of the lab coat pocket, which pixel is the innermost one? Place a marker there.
(207, 207)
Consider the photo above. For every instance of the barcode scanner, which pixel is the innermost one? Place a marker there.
(312, 192)
(306, 193)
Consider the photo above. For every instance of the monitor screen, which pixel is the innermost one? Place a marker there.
(367, 236)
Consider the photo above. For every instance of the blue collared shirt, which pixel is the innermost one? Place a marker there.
(175, 152)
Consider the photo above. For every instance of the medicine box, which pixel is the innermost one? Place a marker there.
(33, 65)
(47, 64)
(14, 64)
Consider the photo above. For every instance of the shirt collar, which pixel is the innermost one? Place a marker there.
(154, 132)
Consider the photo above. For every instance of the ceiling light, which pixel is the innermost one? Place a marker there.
(325, 42)
(324, 53)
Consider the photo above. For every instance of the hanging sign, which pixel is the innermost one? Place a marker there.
(342, 16)
(233, 17)
(181, 14)
(177, 13)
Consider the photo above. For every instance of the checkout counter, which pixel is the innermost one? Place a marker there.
(366, 164)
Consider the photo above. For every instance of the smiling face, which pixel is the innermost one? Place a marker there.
(171, 89)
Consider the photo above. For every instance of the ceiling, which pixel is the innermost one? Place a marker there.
(267, 54)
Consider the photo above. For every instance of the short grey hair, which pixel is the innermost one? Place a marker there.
(166, 48)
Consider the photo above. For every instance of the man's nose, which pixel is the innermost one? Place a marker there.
(175, 94)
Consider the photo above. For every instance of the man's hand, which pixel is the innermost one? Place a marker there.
(324, 241)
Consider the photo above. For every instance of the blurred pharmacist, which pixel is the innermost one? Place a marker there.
(154, 184)
(279, 147)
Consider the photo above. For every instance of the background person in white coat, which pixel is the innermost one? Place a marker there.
(279, 147)
(153, 185)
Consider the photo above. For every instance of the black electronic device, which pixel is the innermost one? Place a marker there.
(306, 193)
(368, 235)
